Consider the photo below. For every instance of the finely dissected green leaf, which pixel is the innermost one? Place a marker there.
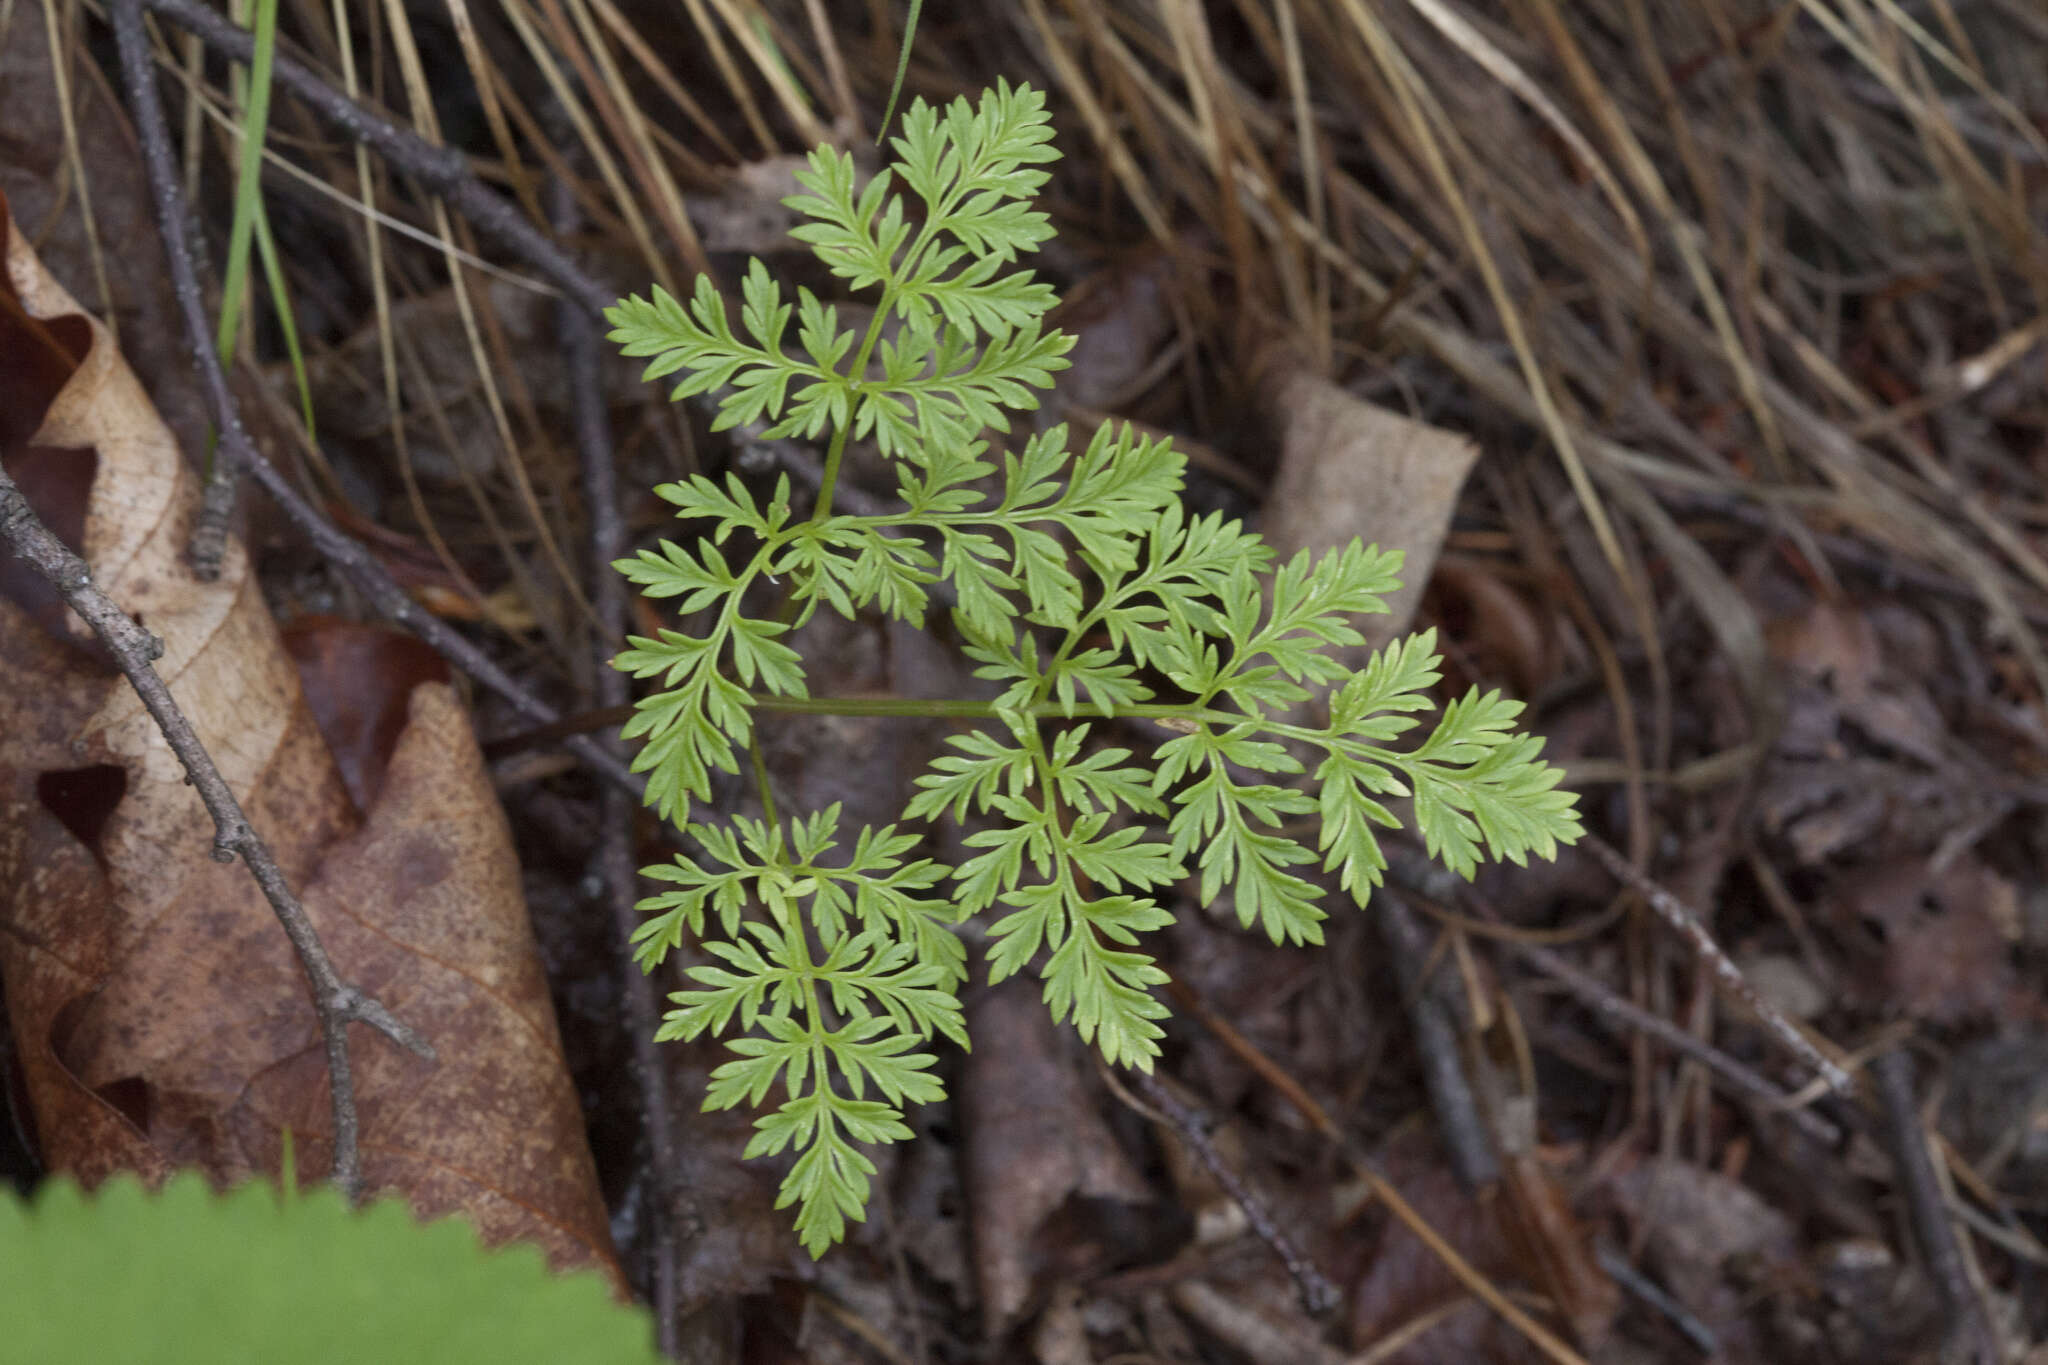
(837, 992)
(1084, 596)
(1107, 991)
(985, 765)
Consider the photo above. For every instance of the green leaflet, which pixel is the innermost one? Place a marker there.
(1083, 591)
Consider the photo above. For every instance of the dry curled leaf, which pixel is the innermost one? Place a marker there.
(41, 183)
(160, 1016)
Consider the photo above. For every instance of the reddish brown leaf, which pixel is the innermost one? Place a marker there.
(357, 679)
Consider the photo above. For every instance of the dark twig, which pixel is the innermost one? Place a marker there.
(615, 848)
(1593, 993)
(134, 649)
(384, 594)
(1920, 1187)
(234, 449)
(1624, 1273)
(1681, 920)
(1318, 1295)
(1436, 1041)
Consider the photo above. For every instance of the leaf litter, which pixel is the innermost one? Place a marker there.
(158, 1018)
(1740, 304)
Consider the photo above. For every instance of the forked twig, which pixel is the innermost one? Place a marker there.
(335, 1001)
(134, 649)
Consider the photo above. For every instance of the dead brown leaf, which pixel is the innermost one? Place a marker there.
(1406, 1287)
(1838, 666)
(356, 678)
(1699, 1230)
(1941, 939)
(1045, 1176)
(160, 1016)
(43, 186)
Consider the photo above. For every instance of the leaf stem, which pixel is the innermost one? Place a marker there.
(955, 708)
(761, 781)
(960, 708)
(829, 479)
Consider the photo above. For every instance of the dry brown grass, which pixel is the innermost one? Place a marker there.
(1702, 253)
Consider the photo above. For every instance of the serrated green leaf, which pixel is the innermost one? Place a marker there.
(184, 1276)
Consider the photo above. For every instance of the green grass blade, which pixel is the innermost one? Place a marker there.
(248, 182)
(281, 301)
(902, 68)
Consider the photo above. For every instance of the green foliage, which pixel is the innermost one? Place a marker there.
(244, 1279)
(1083, 592)
(252, 93)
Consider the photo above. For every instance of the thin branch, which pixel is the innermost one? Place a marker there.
(1409, 868)
(447, 173)
(615, 849)
(1926, 1207)
(234, 450)
(134, 649)
(1593, 993)
(440, 170)
(1318, 1295)
(1680, 918)
(369, 578)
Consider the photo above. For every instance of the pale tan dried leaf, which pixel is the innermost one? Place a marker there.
(1350, 468)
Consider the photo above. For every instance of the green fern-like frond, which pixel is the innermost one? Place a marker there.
(1081, 591)
(836, 991)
